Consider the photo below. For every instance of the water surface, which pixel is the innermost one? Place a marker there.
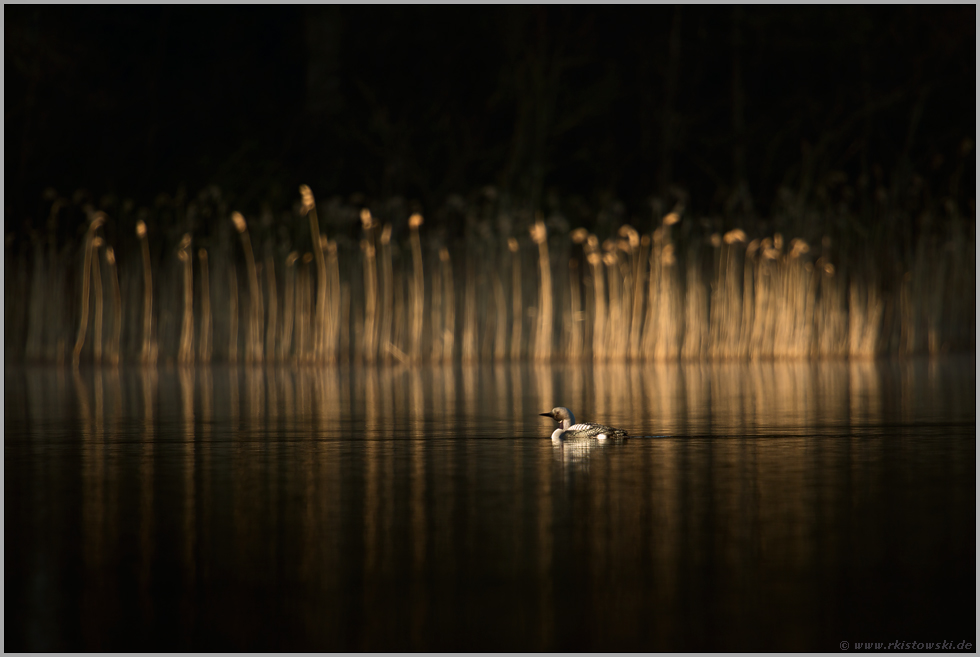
(764, 506)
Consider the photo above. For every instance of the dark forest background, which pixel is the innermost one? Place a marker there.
(734, 111)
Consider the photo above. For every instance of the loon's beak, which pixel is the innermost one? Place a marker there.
(551, 415)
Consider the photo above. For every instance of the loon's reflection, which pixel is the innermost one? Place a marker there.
(575, 453)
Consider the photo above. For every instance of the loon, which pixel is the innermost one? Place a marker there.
(568, 429)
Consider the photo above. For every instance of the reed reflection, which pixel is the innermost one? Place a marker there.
(148, 380)
(544, 544)
(206, 386)
(93, 504)
(189, 502)
(374, 529)
(419, 511)
(379, 506)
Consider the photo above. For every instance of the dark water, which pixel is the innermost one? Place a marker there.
(757, 507)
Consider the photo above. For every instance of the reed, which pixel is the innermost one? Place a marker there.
(418, 287)
(309, 209)
(801, 296)
(543, 336)
(232, 315)
(931, 306)
(43, 314)
(783, 301)
(272, 319)
(185, 354)
(517, 306)
(575, 320)
(761, 340)
(369, 349)
(253, 340)
(97, 220)
(624, 264)
(345, 314)
(651, 322)
(387, 297)
(448, 306)
(117, 313)
(595, 260)
(398, 319)
(620, 302)
(288, 308)
(37, 308)
(56, 314)
(97, 243)
(468, 349)
(437, 317)
(304, 341)
(485, 317)
(334, 320)
(578, 280)
(661, 339)
(688, 291)
(499, 318)
(204, 341)
(259, 314)
(148, 353)
(727, 296)
(832, 316)
(614, 325)
(637, 258)
(695, 310)
(865, 314)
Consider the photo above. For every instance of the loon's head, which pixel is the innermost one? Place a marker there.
(562, 416)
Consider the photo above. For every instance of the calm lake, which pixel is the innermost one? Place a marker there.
(760, 506)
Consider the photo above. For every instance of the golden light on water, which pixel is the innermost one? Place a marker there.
(385, 489)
